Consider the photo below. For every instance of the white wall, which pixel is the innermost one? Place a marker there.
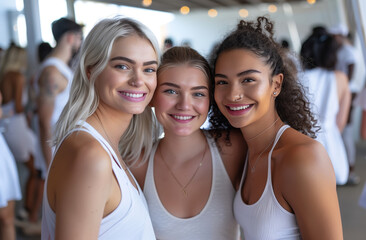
(204, 31)
(6, 6)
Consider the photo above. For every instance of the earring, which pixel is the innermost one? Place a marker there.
(274, 93)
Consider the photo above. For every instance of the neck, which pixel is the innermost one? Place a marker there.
(259, 135)
(176, 146)
(62, 52)
(111, 125)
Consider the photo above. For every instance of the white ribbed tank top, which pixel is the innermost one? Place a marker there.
(215, 221)
(266, 219)
(130, 220)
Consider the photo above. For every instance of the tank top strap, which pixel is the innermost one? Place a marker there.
(278, 136)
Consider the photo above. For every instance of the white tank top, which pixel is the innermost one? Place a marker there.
(130, 220)
(62, 97)
(215, 221)
(266, 219)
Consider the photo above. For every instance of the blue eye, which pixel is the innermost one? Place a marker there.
(150, 70)
(170, 91)
(121, 66)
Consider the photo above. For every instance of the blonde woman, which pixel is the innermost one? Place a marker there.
(90, 192)
(190, 179)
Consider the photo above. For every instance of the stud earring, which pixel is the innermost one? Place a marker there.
(274, 93)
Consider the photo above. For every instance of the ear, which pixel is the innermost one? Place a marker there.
(277, 84)
(88, 72)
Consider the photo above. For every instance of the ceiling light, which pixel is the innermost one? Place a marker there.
(272, 8)
(184, 10)
(311, 1)
(212, 13)
(146, 3)
(243, 13)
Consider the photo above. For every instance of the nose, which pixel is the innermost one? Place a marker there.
(235, 93)
(184, 102)
(136, 78)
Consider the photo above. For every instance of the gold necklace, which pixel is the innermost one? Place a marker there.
(184, 188)
(264, 130)
(252, 168)
(110, 142)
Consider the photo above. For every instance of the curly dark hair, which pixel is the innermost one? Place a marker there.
(291, 104)
(319, 50)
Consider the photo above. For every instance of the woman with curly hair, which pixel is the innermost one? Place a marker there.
(288, 187)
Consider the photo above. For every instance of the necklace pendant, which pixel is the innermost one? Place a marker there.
(185, 192)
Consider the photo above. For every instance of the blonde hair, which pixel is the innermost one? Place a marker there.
(14, 60)
(83, 100)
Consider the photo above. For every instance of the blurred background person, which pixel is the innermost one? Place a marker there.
(329, 93)
(346, 61)
(18, 135)
(9, 189)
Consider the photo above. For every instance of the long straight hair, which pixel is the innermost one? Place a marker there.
(83, 100)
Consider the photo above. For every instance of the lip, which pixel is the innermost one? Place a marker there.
(182, 118)
(238, 109)
(133, 96)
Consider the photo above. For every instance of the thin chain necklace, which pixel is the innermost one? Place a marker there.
(264, 130)
(252, 168)
(184, 188)
(110, 142)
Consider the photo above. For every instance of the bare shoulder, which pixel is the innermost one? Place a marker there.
(303, 162)
(82, 155)
(51, 81)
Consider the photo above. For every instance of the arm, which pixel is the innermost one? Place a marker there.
(309, 187)
(344, 96)
(48, 90)
(363, 125)
(19, 85)
(82, 191)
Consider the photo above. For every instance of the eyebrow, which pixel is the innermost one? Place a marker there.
(132, 61)
(246, 72)
(177, 86)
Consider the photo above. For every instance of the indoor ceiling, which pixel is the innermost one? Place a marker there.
(175, 5)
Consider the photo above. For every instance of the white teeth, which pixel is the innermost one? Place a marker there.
(133, 95)
(182, 117)
(238, 108)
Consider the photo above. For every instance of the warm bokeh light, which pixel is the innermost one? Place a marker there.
(212, 13)
(184, 10)
(272, 8)
(243, 13)
(311, 1)
(146, 3)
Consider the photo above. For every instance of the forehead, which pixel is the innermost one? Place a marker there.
(134, 47)
(183, 75)
(238, 60)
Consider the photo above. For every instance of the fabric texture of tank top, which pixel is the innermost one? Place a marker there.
(130, 220)
(215, 221)
(61, 98)
(266, 219)
(323, 95)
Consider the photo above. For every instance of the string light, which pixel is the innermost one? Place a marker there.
(146, 3)
(212, 13)
(272, 8)
(184, 10)
(243, 13)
